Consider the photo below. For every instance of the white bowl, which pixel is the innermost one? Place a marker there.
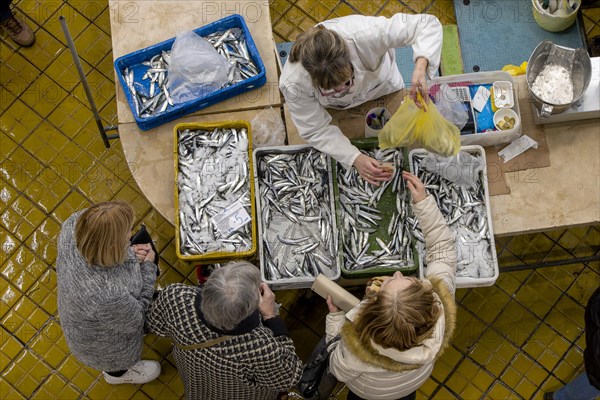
(505, 112)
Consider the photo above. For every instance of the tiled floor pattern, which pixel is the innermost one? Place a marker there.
(515, 339)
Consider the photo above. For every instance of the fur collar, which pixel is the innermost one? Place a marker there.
(367, 353)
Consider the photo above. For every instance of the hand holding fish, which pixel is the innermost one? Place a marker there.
(370, 170)
(266, 305)
(416, 187)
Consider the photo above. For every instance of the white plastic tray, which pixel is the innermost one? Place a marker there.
(282, 224)
(486, 138)
(466, 282)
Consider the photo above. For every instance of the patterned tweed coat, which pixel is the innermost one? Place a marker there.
(257, 362)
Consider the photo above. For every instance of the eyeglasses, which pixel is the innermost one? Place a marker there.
(339, 89)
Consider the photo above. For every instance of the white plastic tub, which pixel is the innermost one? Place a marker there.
(485, 138)
(468, 282)
(280, 225)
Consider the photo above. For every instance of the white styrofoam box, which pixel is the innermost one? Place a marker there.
(467, 282)
(282, 224)
(486, 138)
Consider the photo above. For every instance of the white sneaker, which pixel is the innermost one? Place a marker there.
(142, 372)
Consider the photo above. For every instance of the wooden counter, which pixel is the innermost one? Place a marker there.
(139, 24)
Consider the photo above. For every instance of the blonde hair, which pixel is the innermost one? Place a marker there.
(400, 320)
(325, 55)
(102, 233)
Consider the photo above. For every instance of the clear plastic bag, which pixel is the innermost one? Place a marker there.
(462, 169)
(411, 126)
(196, 68)
(451, 107)
(267, 128)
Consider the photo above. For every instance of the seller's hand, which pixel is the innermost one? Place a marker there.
(419, 81)
(370, 171)
(416, 187)
(332, 307)
(266, 306)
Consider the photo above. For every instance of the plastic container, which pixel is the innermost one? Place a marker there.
(377, 111)
(134, 60)
(554, 23)
(220, 255)
(491, 138)
(467, 282)
(282, 225)
(503, 95)
(386, 206)
(501, 114)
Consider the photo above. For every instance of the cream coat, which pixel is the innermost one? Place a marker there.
(371, 41)
(391, 374)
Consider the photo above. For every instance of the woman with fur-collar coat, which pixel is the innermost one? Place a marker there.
(392, 338)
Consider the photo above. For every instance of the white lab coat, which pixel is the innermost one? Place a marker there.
(371, 41)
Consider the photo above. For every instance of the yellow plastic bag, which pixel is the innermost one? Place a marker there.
(411, 126)
(515, 70)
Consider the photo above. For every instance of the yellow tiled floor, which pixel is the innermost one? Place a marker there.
(515, 339)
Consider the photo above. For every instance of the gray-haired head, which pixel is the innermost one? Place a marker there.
(231, 294)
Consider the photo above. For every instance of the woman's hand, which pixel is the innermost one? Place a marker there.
(332, 307)
(142, 252)
(370, 170)
(416, 187)
(266, 305)
(419, 81)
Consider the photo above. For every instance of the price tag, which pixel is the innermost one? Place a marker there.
(231, 219)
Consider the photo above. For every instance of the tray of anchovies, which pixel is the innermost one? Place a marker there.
(459, 187)
(374, 220)
(214, 191)
(144, 73)
(296, 218)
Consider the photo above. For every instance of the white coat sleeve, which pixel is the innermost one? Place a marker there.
(441, 248)
(314, 124)
(421, 31)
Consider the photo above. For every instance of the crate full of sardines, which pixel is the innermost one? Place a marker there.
(459, 186)
(374, 221)
(144, 74)
(214, 191)
(296, 218)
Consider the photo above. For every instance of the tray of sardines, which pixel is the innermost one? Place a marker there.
(375, 222)
(144, 74)
(214, 191)
(296, 218)
(459, 186)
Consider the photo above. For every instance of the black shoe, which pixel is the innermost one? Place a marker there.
(549, 396)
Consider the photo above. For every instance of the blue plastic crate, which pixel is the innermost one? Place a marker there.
(134, 60)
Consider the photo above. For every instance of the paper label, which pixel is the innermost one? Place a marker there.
(481, 97)
(517, 147)
(231, 219)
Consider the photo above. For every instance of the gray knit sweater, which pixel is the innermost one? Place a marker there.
(102, 310)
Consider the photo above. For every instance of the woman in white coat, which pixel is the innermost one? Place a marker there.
(392, 338)
(347, 61)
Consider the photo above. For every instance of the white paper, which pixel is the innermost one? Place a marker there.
(481, 97)
(231, 219)
(517, 147)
